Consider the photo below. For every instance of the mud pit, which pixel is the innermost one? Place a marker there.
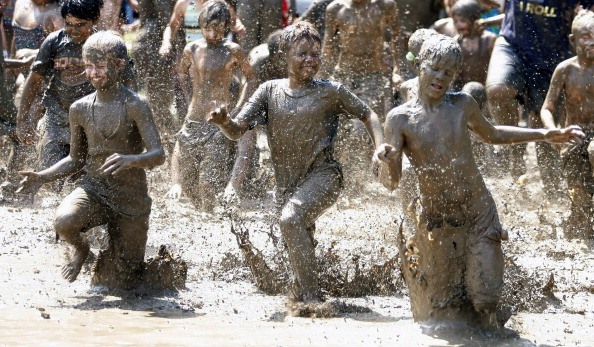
(222, 306)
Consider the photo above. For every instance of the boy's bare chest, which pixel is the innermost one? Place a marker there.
(353, 22)
(213, 62)
(436, 133)
(108, 118)
(580, 87)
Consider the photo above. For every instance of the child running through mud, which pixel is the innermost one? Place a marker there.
(301, 117)
(453, 265)
(574, 78)
(203, 157)
(114, 139)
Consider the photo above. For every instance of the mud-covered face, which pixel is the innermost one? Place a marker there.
(583, 40)
(78, 29)
(214, 32)
(463, 25)
(102, 70)
(303, 59)
(436, 76)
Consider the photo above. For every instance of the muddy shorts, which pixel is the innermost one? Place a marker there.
(471, 249)
(206, 160)
(54, 142)
(507, 68)
(27, 38)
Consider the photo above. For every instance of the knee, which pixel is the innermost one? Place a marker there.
(66, 223)
(500, 93)
(291, 217)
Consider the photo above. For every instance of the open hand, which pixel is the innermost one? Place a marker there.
(219, 116)
(116, 162)
(30, 183)
(573, 134)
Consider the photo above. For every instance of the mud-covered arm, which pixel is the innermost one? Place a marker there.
(502, 134)
(555, 89)
(175, 23)
(391, 168)
(491, 21)
(142, 115)
(330, 46)
(253, 113)
(183, 71)
(25, 126)
(248, 74)
(353, 107)
(73, 163)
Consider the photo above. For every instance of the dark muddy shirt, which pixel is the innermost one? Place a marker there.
(538, 30)
(301, 125)
(60, 61)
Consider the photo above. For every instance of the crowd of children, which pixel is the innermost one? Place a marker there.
(352, 87)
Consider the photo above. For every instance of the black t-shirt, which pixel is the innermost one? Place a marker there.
(60, 61)
(538, 30)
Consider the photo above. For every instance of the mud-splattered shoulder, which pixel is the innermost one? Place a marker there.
(401, 114)
(81, 108)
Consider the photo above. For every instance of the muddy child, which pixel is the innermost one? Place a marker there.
(114, 139)
(60, 65)
(301, 117)
(203, 157)
(453, 264)
(408, 88)
(574, 79)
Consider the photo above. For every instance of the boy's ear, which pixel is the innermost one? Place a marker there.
(571, 40)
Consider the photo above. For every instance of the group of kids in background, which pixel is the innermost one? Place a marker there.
(307, 90)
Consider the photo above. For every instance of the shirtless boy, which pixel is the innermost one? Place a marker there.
(459, 270)
(114, 139)
(301, 117)
(203, 157)
(352, 54)
(59, 63)
(574, 78)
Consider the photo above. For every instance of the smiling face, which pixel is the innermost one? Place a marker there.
(78, 29)
(463, 25)
(303, 60)
(101, 70)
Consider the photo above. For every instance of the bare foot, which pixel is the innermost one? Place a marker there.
(75, 261)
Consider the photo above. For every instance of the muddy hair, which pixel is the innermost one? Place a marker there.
(273, 41)
(582, 18)
(82, 9)
(297, 32)
(415, 42)
(469, 9)
(107, 43)
(438, 47)
(215, 10)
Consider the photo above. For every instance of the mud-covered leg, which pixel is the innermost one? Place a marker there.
(76, 214)
(215, 169)
(580, 183)
(319, 191)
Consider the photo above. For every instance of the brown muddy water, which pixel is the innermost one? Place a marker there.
(549, 280)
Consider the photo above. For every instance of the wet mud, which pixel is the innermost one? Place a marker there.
(548, 279)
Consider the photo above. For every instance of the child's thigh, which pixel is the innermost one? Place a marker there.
(484, 269)
(315, 195)
(80, 212)
(217, 159)
(505, 67)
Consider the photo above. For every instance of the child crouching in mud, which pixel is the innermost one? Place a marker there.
(301, 117)
(113, 140)
(453, 265)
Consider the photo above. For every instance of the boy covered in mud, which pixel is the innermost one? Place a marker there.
(453, 264)
(114, 139)
(203, 157)
(301, 117)
(574, 79)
